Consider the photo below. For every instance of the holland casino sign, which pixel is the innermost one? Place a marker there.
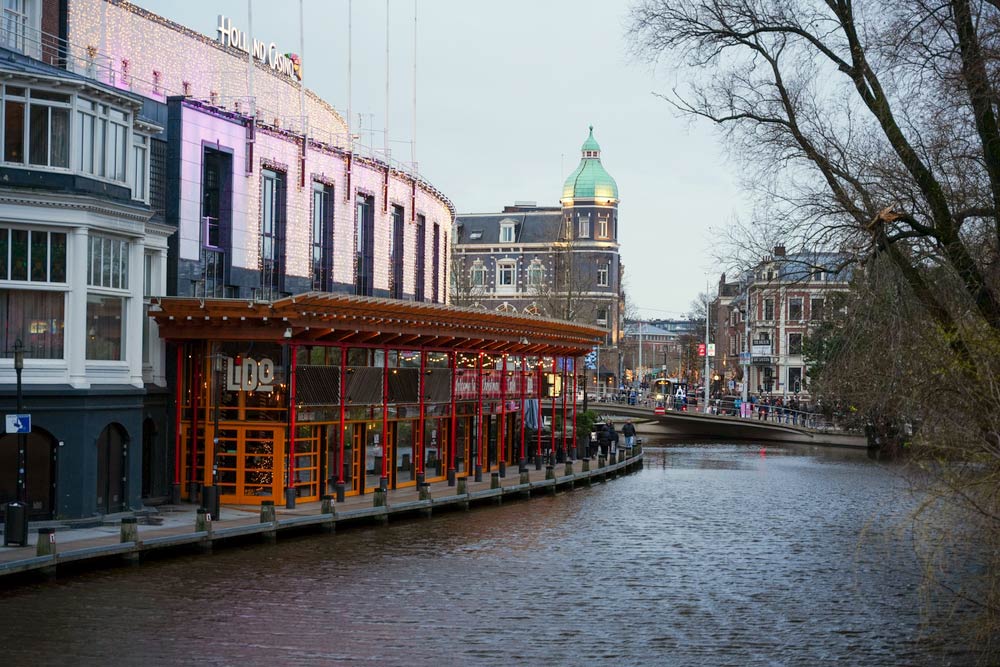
(289, 64)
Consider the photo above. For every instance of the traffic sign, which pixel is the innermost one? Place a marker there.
(18, 424)
(711, 349)
(701, 349)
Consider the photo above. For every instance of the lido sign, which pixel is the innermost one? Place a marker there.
(289, 64)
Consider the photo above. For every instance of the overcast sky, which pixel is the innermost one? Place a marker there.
(505, 92)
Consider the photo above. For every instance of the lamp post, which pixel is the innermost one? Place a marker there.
(16, 514)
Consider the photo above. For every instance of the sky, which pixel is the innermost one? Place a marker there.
(505, 93)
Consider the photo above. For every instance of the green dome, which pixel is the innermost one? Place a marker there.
(590, 180)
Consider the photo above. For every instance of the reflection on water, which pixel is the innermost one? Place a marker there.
(714, 554)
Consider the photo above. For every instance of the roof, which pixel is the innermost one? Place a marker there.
(590, 180)
(17, 63)
(543, 226)
(315, 318)
(646, 329)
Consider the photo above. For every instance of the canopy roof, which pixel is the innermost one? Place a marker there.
(320, 317)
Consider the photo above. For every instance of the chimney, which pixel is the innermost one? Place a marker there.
(779, 251)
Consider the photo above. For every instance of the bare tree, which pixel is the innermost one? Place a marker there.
(872, 128)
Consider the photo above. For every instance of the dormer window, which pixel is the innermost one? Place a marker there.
(591, 154)
(475, 235)
(507, 232)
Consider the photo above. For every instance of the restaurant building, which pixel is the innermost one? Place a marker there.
(323, 393)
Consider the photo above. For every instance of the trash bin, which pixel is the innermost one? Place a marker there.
(15, 524)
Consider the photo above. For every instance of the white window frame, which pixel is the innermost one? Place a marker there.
(602, 227)
(477, 274)
(535, 274)
(507, 232)
(603, 273)
(506, 276)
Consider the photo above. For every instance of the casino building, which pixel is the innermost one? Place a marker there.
(217, 289)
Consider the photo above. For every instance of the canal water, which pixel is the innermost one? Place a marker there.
(714, 554)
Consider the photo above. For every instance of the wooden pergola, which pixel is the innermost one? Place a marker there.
(315, 318)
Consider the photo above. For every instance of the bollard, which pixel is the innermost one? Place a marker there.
(525, 477)
(522, 465)
(379, 498)
(129, 530)
(494, 480)
(479, 473)
(538, 462)
(326, 505)
(451, 477)
(463, 486)
(601, 462)
(550, 472)
(202, 521)
(425, 491)
(267, 511)
(586, 465)
(340, 490)
(614, 458)
(46, 542)
(569, 468)
(503, 468)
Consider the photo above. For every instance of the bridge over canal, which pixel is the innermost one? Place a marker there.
(694, 425)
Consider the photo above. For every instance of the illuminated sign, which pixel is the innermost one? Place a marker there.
(289, 64)
(246, 374)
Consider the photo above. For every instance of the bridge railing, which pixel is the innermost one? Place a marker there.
(726, 407)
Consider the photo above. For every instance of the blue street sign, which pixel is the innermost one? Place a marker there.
(18, 424)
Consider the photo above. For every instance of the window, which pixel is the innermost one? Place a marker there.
(148, 261)
(15, 25)
(105, 327)
(568, 227)
(816, 309)
(36, 318)
(768, 309)
(364, 245)
(795, 380)
(321, 259)
(272, 234)
(396, 253)
(475, 235)
(506, 272)
(478, 274)
(140, 167)
(32, 255)
(436, 263)
(584, 226)
(36, 125)
(535, 274)
(795, 308)
(107, 264)
(794, 343)
(602, 276)
(507, 232)
(101, 140)
(602, 317)
(602, 227)
(421, 271)
(216, 211)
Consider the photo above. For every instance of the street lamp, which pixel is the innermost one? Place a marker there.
(15, 514)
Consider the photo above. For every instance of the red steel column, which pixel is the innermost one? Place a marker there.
(538, 398)
(552, 434)
(195, 394)
(523, 382)
(340, 489)
(565, 390)
(420, 437)
(454, 421)
(501, 452)
(178, 460)
(384, 481)
(575, 440)
(479, 418)
(290, 489)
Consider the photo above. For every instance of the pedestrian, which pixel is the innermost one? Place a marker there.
(628, 430)
(738, 406)
(604, 440)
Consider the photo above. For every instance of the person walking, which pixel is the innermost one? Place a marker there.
(604, 440)
(628, 430)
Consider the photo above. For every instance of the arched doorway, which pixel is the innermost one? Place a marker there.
(112, 446)
(39, 478)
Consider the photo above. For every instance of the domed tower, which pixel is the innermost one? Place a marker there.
(590, 230)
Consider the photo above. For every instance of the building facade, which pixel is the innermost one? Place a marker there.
(157, 161)
(766, 316)
(556, 261)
